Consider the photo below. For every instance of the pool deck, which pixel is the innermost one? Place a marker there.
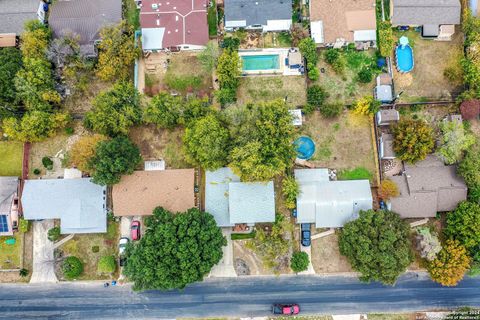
(282, 56)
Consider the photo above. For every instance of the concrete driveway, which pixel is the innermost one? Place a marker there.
(43, 259)
(225, 267)
(125, 223)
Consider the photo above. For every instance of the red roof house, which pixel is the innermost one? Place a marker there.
(178, 24)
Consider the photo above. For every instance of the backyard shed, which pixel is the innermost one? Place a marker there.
(387, 117)
(386, 147)
(330, 204)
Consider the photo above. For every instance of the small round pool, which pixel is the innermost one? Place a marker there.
(305, 147)
(404, 56)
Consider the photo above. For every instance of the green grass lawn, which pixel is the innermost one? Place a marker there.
(11, 154)
(131, 13)
(10, 255)
(212, 20)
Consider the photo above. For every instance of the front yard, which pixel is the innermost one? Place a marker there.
(90, 248)
(267, 88)
(432, 58)
(11, 254)
(326, 257)
(11, 155)
(343, 143)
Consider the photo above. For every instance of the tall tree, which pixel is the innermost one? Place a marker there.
(454, 141)
(112, 159)
(115, 111)
(83, 150)
(206, 143)
(228, 69)
(10, 64)
(463, 224)
(164, 110)
(176, 250)
(377, 245)
(450, 265)
(209, 56)
(413, 140)
(35, 125)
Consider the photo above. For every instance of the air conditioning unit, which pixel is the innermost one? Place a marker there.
(154, 6)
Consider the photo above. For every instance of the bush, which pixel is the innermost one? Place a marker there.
(365, 75)
(308, 48)
(36, 171)
(469, 168)
(316, 95)
(72, 267)
(290, 191)
(69, 131)
(331, 110)
(463, 224)
(308, 109)
(24, 225)
(243, 236)
(299, 261)
(358, 173)
(454, 141)
(388, 189)
(47, 163)
(23, 272)
(54, 234)
(95, 249)
(366, 105)
(470, 109)
(332, 55)
(107, 264)
(313, 73)
(386, 41)
(226, 96)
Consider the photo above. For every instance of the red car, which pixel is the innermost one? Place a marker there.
(135, 230)
(286, 309)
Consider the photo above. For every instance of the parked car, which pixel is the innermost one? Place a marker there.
(122, 261)
(135, 230)
(286, 309)
(306, 235)
(122, 243)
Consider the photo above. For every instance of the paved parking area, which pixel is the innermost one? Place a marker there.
(43, 258)
(225, 267)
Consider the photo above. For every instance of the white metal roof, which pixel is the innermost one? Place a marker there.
(152, 38)
(317, 31)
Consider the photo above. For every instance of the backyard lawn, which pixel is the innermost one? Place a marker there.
(431, 58)
(11, 155)
(84, 246)
(11, 255)
(343, 143)
(345, 86)
(266, 88)
(163, 144)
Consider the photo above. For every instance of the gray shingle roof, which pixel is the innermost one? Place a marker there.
(14, 14)
(257, 11)
(426, 188)
(78, 203)
(84, 18)
(433, 12)
(8, 189)
(330, 204)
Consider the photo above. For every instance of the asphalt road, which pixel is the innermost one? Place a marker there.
(240, 297)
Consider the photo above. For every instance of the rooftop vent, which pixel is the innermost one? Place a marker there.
(154, 6)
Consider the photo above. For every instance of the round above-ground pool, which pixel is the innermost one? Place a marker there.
(404, 55)
(305, 147)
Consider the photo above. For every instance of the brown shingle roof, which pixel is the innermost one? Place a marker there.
(143, 191)
(342, 17)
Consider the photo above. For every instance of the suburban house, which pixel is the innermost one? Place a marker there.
(141, 192)
(340, 22)
(262, 15)
(233, 202)
(14, 14)
(8, 205)
(84, 19)
(327, 203)
(79, 203)
(174, 25)
(437, 18)
(428, 187)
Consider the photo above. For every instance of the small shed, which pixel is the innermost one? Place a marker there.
(386, 117)
(154, 165)
(386, 147)
(297, 117)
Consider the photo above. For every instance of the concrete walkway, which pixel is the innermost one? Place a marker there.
(43, 259)
(67, 238)
(225, 267)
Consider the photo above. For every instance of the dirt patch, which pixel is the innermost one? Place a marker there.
(252, 262)
(81, 101)
(241, 267)
(267, 88)
(164, 144)
(427, 80)
(326, 257)
(344, 142)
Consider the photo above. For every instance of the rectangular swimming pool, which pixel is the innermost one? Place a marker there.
(260, 62)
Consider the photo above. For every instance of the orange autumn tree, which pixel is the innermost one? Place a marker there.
(388, 189)
(450, 265)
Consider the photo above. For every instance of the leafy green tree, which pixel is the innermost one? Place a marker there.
(107, 264)
(164, 110)
(377, 245)
(72, 267)
(231, 43)
(308, 49)
(10, 64)
(226, 96)
(273, 247)
(229, 69)
(209, 56)
(331, 110)
(463, 224)
(299, 261)
(112, 159)
(83, 150)
(35, 40)
(454, 141)
(34, 126)
(365, 75)
(469, 168)
(386, 40)
(116, 52)
(206, 143)
(195, 108)
(290, 191)
(115, 110)
(263, 146)
(176, 250)
(450, 265)
(316, 95)
(413, 140)
(335, 58)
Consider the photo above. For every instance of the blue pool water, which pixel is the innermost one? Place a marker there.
(260, 62)
(305, 147)
(404, 58)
